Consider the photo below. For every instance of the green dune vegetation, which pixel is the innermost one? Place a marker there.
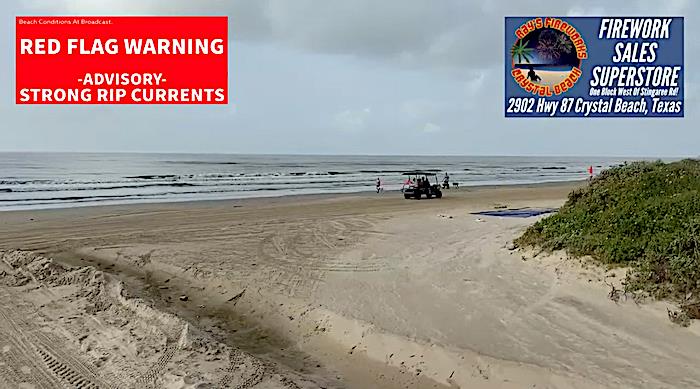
(645, 215)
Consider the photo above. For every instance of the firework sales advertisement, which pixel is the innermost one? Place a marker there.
(594, 67)
(121, 60)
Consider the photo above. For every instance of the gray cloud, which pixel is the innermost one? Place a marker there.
(425, 33)
(447, 33)
(424, 68)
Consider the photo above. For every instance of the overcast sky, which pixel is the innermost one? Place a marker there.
(350, 77)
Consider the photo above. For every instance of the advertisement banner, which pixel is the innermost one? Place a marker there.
(594, 67)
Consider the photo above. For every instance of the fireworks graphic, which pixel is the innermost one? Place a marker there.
(552, 45)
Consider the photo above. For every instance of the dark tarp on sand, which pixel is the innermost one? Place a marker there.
(522, 212)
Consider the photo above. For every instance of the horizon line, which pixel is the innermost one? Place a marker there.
(346, 154)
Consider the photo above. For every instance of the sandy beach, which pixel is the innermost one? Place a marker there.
(332, 291)
(548, 77)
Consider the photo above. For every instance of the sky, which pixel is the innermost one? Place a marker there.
(350, 77)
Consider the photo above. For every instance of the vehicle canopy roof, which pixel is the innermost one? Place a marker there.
(419, 173)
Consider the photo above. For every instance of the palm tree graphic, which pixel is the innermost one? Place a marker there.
(520, 51)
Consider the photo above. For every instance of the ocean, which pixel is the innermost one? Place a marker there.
(53, 180)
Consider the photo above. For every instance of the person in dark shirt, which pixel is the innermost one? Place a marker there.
(532, 75)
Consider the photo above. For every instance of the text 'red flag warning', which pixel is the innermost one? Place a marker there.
(121, 60)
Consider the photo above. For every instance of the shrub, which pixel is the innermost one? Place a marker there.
(644, 214)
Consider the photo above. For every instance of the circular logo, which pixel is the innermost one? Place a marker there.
(547, 56)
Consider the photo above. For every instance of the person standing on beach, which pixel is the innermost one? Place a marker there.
(406, 183)
(379, 185)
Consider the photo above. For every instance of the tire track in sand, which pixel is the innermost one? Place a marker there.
(148, 380)
(296, 264)
(41, 358)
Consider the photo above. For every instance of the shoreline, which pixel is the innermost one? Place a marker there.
(291, 197)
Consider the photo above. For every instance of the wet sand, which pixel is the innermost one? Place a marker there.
(356, 291)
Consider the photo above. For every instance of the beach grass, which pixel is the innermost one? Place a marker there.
(645, 215)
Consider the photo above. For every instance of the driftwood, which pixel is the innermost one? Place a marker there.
(616, 294)
(678, 317)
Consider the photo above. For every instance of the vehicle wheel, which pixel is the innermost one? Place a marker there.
(429, 196)
(417, 195)
(438, 195)
(407, 196)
